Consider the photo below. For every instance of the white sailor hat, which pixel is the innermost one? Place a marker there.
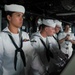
(39, 21)
(58, 23)
(49, 22)
(15, 8)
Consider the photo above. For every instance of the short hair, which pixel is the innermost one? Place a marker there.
(66, 24)
(8, 13)
(42, 26)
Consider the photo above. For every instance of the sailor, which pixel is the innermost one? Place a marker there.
(58, 28)
(56, 48)
(40, 41)
(17, 56)
(66, 39)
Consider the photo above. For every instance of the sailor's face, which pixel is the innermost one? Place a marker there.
(16, 19)
(50, 31)
(57, 29)
(67, 28)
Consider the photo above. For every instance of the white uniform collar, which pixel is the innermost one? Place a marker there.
(7, 29)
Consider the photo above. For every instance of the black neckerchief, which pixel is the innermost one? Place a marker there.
(18, 49)
(48, 52)
(57, 42)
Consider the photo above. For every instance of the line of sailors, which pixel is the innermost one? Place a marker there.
(48, 32)
(39, 55)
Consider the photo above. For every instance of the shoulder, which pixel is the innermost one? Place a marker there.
(35, 41)
(35, 35)
(25, 35)
(61, 34)
(35, 38)
(3, 35)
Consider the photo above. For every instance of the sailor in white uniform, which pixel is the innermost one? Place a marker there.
(53, 39)
(56, 48)
(40, 41)
(17, 56)
(58, 28)
(66, 40)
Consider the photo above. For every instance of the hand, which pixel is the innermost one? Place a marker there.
(67, 37)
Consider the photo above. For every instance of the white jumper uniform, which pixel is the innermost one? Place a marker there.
(7, 52)
(66, 46)
(39, 47)
(41, 50)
